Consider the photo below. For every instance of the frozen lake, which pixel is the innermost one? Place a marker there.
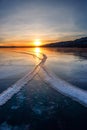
(37, 105)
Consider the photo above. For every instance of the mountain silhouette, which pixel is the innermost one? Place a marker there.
(81, 43)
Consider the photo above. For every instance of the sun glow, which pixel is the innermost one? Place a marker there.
(37, 42)
(37, 50)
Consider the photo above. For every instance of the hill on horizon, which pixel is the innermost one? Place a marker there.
(80, 43)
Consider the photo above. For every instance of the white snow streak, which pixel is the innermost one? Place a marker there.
(61, 86)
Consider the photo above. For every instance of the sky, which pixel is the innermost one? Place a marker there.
(24, 21)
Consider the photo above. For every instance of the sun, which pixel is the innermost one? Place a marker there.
(37, 42)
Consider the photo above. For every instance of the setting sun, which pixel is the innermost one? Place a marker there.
(37, 42)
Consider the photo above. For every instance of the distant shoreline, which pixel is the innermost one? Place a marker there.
(41, 47)
(78, 43)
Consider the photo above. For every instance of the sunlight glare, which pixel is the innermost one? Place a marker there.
(37, 50)
(37, 42)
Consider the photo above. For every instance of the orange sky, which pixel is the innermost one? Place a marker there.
(25, 42)
(24, 21)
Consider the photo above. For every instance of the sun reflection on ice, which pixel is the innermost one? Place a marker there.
(37, 51)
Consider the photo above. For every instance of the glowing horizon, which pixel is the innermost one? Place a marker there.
(21, 22)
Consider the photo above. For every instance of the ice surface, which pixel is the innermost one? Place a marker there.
(61, 86)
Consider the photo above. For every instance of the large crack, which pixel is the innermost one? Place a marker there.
(58, 84)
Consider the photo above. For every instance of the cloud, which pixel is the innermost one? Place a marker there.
(52, 19)
(1, 40)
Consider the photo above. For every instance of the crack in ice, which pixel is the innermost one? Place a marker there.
(58, 84)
